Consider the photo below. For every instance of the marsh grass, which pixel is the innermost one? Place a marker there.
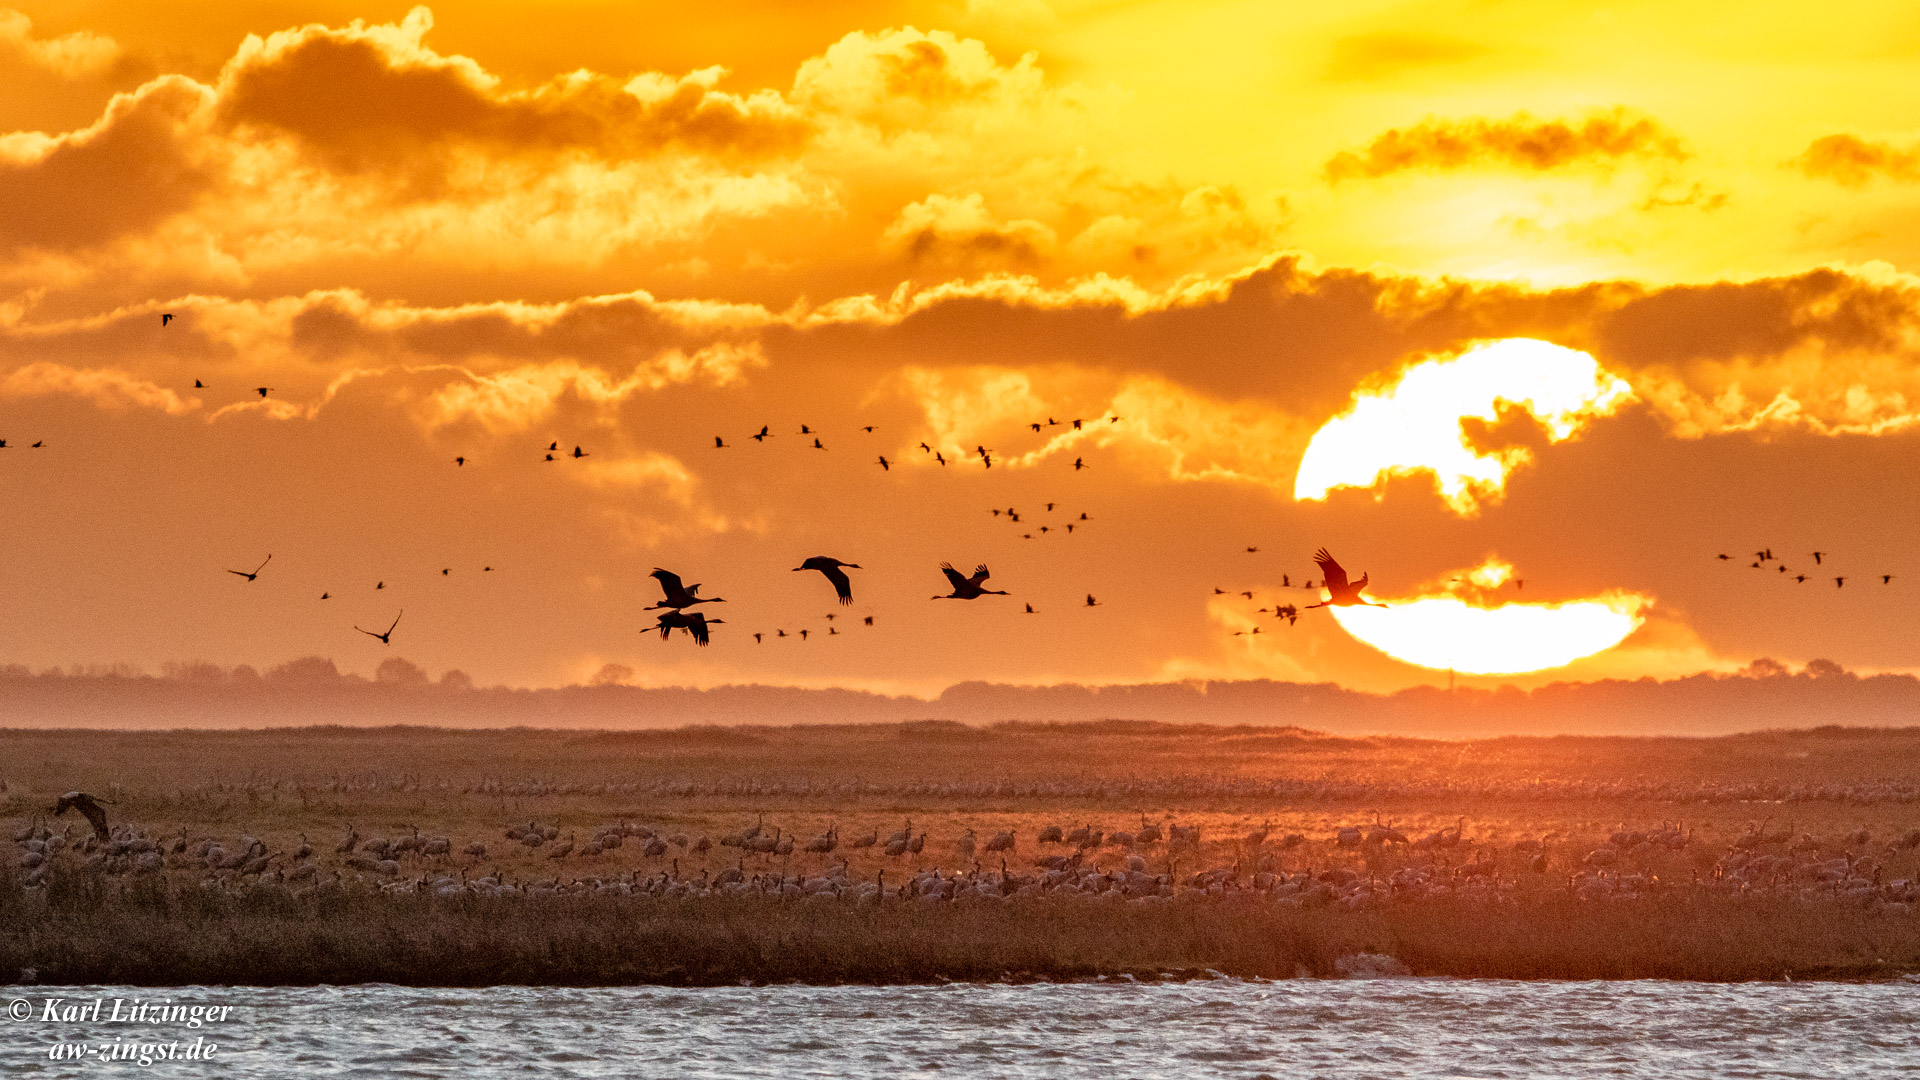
(277, 784)
(143, 933)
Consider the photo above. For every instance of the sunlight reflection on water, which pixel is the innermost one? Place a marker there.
(1224, 1028)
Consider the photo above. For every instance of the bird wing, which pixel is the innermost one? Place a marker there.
(96, 816)
(669, 583)
(697, 626)
(396, 620)
(841, 584)
(1335, 575)
(980, 575)
(81, 801)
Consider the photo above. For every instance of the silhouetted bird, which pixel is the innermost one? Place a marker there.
(678, 595)
(1078, 464)
(1253, 551)
(37, 444)
(444, 571)
(460, 461)
(1839, 583)
(885, 465)
(719, 443)
(1035, 427)
(1248, 594)
(1284, 583)
(1886, 579)
(869, 620)
(1340, 592)
(805, 430)
(1030, 610)
(693, 622)
(1091, 602)
(937, 456)
(833, 570)
(554, 445)
(1817, 557)
(256, 570)
(263, 391)
(967, 588)
(1244, 633)
(379, 584)
(89, 809)
(763, 436)
(1800, 578)
(579, 453)
(324, 596)
(198, 385)
(1724, 558)
(1076, 425)
(166, 317)
(868, 429)
(804, 632)
(780, 633)
(756, 639)
(817, 446)
(386, 638)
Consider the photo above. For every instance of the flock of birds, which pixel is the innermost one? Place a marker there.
(1765, 559)
(678, 598)
(1351, 868)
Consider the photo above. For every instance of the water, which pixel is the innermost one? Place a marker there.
(1227, 1028)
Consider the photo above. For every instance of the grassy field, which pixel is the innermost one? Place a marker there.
(1517, 817)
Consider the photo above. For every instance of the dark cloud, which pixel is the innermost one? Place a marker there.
(124, 174)
(1518, 142)
(1852, 161)
(359, 102)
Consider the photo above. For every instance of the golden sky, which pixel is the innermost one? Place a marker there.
(1220, 234)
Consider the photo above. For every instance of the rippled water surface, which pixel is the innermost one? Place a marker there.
(1359, 1028)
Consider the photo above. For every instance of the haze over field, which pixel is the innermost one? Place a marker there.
(1529, 314)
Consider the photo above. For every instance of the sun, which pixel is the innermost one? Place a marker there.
(1415, 424)
(1506, 639)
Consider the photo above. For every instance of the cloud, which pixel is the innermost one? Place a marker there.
(322, 155)
(1370, 57)
(367, 96)
(518, 398)
(1855, 162)
(109, 389)
(128, 171)
(1518, 142)
(940, 228)
(77, 55)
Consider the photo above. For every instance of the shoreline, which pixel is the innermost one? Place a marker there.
(159, 937)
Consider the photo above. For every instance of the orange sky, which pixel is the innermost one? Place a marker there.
(480, 229)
